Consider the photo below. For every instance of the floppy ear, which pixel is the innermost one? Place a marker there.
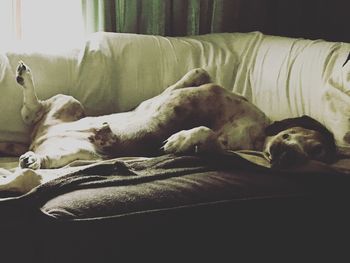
(343, 151)
(303, 121)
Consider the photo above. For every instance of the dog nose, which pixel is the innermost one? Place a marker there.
(284, 157)
(19, 79)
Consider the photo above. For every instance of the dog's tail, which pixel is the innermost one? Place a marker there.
(12, 149)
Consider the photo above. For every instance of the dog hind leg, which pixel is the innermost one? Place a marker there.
(32, 109)
(193, 78)
(54, 159)
(30, 160)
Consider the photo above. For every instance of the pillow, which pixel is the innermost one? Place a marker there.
(336, 101)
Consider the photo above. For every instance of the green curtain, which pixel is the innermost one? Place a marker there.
(159, 17)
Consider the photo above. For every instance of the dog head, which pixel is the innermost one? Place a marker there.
(294, 141)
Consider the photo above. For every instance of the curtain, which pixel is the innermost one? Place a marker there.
(160, 17)
(295, 18)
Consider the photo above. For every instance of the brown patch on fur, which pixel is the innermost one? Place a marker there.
(194, 103)
(70, 114)
(160, 125)
(231, 119)
(207, 102)
(220, 105)
(228, 98)
(242, 112)
(103, 138)
(159, 108)
(69, 111)
(215, 89)
(224, 142)
(180, 110)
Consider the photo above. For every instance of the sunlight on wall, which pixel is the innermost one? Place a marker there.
(45, 23)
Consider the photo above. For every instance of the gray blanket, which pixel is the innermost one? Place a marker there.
(117, 172)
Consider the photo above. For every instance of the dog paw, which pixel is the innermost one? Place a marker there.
(103, 137)
(197, 77)
(29, 160)
(201, 77)
(196, 140)
(22, 73)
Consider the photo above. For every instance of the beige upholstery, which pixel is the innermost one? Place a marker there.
(113, 72)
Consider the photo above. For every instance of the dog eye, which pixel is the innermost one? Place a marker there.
(285, 136)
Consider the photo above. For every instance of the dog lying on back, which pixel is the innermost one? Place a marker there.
(191, 116)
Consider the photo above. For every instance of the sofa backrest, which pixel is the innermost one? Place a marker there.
(52, 74)
(291, 77)
(113, 72)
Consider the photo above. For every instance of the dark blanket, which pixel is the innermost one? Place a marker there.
(121, 173)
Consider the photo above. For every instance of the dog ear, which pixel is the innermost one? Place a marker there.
(303, 121)
(343, 152)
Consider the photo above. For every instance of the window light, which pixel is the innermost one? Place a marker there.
(50, 23)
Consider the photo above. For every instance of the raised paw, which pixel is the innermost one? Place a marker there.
(193, 78)
(196, 140)
(200, 77)
(29, 160)
(22, 73)
(196, 77)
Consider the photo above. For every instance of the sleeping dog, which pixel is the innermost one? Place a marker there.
(191, 116)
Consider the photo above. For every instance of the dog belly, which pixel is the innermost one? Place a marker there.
(58, 151)
(62, 142)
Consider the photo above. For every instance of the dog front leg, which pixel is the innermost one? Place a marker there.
(32, 109)
(197, 140)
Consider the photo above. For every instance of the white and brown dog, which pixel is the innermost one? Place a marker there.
(191, 116)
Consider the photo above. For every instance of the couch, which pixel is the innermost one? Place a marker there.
(208, 207)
